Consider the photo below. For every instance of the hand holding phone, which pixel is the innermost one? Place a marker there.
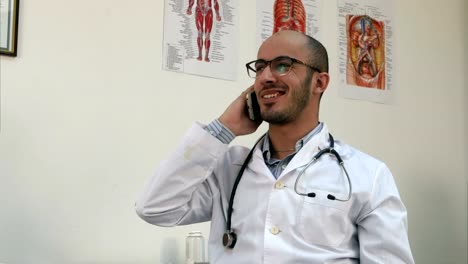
(237, 116)
(252, 106)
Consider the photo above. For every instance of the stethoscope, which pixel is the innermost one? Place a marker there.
(230, 237)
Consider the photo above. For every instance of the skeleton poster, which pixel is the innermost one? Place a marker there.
(365, 52)
(299, 15)
(201, 37)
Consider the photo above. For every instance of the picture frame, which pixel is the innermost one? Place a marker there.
(9, 13)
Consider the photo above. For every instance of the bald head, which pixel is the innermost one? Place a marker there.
(314, 50)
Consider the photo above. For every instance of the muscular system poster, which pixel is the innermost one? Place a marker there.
(276, 15)
(201, 37)
(366, 51)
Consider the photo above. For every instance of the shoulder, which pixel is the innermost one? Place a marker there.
(362, 166)
(371, 179)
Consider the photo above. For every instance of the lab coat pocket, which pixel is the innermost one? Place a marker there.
(322, 223)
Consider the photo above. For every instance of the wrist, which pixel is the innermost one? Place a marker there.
(220, 131)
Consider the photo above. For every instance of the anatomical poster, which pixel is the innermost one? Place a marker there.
(201, 37)
(299, 15)
(366, 49)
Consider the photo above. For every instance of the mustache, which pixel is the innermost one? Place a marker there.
(273, 86)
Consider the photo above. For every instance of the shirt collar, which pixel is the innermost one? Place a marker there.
(299, 144)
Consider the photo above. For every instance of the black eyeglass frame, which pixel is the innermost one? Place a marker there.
(249, 67)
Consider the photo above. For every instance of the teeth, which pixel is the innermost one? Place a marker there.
(268, 96)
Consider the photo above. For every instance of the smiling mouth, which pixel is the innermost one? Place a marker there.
(272, 95)
(268, 96)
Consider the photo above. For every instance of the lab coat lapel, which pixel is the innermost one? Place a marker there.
(307, 152)
(257, 164)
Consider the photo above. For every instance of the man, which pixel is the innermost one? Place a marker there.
(284, 210)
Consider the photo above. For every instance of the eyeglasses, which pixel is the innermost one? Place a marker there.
(279, 66)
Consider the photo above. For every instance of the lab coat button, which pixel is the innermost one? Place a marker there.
(279, 185)
(274, 230)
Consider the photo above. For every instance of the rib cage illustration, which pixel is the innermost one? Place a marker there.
(289, 14)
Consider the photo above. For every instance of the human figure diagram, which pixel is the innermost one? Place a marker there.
(204, 23)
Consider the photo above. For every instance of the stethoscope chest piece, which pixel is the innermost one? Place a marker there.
(229, 239)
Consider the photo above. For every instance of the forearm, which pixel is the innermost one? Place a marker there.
(190, 4)
(216, 7)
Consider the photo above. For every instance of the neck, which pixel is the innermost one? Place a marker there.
(283, 138)
(281, 154)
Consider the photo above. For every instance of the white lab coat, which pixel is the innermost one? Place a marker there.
(272, 222)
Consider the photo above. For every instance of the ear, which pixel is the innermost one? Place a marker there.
(321, 82)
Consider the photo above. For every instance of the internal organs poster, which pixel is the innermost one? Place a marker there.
(366, 50)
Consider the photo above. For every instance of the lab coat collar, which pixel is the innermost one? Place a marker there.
(306, 154)
(315, 144)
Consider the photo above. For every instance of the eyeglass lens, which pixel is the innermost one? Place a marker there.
(279, 66)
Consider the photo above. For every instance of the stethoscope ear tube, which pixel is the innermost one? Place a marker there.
(330, 150)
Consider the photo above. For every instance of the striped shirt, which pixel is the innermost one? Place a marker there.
(276, 166)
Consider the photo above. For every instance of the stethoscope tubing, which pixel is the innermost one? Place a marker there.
(330, 150)
(236, 183)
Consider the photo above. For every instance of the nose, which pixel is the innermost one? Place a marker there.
(266, 76)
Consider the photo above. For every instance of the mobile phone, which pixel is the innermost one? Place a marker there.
(252, 106)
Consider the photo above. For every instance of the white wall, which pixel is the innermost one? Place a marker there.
(87, 113)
